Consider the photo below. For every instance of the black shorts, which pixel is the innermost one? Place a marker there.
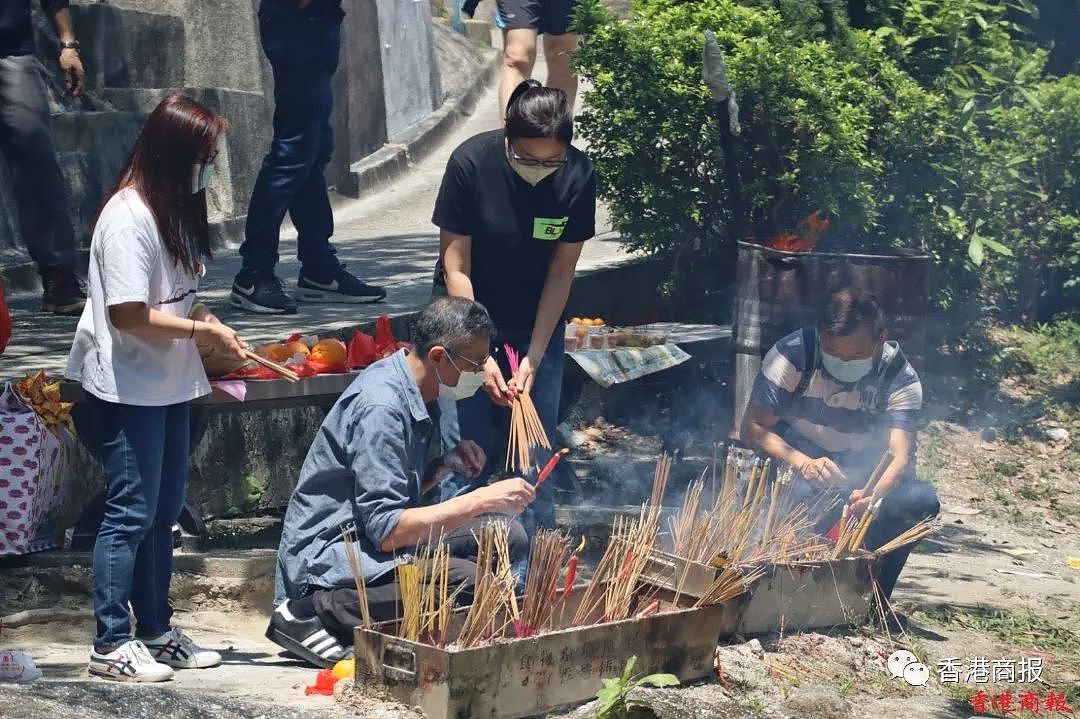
(550, 17)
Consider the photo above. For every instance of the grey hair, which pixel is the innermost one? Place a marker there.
(451, 322)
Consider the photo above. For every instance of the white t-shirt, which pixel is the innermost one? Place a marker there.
(129, 263)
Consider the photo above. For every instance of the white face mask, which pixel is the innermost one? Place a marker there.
(467, 384)
(200, 177)
(532, 174)
(847, 371)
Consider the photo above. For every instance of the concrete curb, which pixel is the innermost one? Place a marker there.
(419, 139)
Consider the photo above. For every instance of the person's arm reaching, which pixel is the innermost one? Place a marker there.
(758, 431)
(549, 312)
(135, 318)
(379, 461)
(70, 61)
(455, 251)
(417, 524)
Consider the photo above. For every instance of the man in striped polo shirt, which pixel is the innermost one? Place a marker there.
(829, 400)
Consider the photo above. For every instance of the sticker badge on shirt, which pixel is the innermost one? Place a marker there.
(549, 228)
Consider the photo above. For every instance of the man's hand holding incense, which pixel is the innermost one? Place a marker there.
(494, 384)
(858, 501)
(822, 471)
(508, 496)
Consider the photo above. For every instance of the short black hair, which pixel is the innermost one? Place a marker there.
(538, 111)
(451, 322)
(847, 309)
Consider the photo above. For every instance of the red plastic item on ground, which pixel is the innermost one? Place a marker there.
(324, 683)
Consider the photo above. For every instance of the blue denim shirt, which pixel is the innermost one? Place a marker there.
(365, 466)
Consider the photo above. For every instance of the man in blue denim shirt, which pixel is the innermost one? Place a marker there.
(369, 467)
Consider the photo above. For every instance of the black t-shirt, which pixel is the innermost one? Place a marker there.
(513, 225)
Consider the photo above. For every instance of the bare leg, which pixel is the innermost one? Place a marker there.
(519, 55)
(557, 51)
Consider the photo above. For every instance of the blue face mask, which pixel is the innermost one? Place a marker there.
(847, 371)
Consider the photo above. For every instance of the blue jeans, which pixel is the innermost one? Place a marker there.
(145, 454)
(911, 501)
(303, 52)
(480, 420)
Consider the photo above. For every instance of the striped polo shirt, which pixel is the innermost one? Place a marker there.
(833, 417)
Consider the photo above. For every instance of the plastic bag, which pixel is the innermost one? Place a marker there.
(361, 350)
(17, 667)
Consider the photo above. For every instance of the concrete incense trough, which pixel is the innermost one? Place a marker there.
(513, 677)
(791, 597)
(812, 595)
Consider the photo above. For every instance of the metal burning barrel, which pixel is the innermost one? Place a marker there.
(777, 292)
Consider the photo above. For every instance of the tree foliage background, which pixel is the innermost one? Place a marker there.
(932, 125)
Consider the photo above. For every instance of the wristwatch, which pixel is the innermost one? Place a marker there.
(69, 45)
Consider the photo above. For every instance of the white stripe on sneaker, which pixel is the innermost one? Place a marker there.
(316, 638)
(329, 645)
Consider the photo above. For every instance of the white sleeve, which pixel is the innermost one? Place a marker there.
(127, 256)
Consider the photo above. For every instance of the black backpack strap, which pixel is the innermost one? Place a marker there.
(810, 345)
(896, 366)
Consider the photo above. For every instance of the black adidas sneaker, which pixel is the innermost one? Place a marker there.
(306, 638)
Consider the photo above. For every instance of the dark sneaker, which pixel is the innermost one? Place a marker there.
(64, 293)
(264, 294)
(336, 286)
(306, 638)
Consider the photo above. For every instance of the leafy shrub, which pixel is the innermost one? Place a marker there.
(933, 131)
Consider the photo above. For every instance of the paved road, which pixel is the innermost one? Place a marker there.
(386, 238)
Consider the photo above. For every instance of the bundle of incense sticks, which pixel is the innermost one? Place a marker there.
(917, 533)
(438, 601)
(615, 582)
(526, 431)
(549, 551)
(851, 530)
(409, 579)
(348, 536)
(478, 627)
(494, 588)
(729, 584)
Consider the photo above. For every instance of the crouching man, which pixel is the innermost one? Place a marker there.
(368, 468)
(828, 401)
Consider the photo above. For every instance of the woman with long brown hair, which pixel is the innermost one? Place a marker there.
(135, 354)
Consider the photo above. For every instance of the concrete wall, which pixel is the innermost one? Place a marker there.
(411, 88)
(137, 51)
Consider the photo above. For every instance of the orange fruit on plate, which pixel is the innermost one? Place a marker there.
(276, 352)
(295, 348)
(329, 351)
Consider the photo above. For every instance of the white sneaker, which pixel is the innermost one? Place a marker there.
(177, 650)
(130, 662)
(17, 667)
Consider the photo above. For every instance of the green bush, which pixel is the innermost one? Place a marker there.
(933, 132)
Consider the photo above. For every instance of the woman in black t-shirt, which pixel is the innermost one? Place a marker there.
(514, 209)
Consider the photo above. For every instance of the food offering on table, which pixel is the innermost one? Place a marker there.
(584, 333)
(307, 355)
(592, 333)
(639, 337)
